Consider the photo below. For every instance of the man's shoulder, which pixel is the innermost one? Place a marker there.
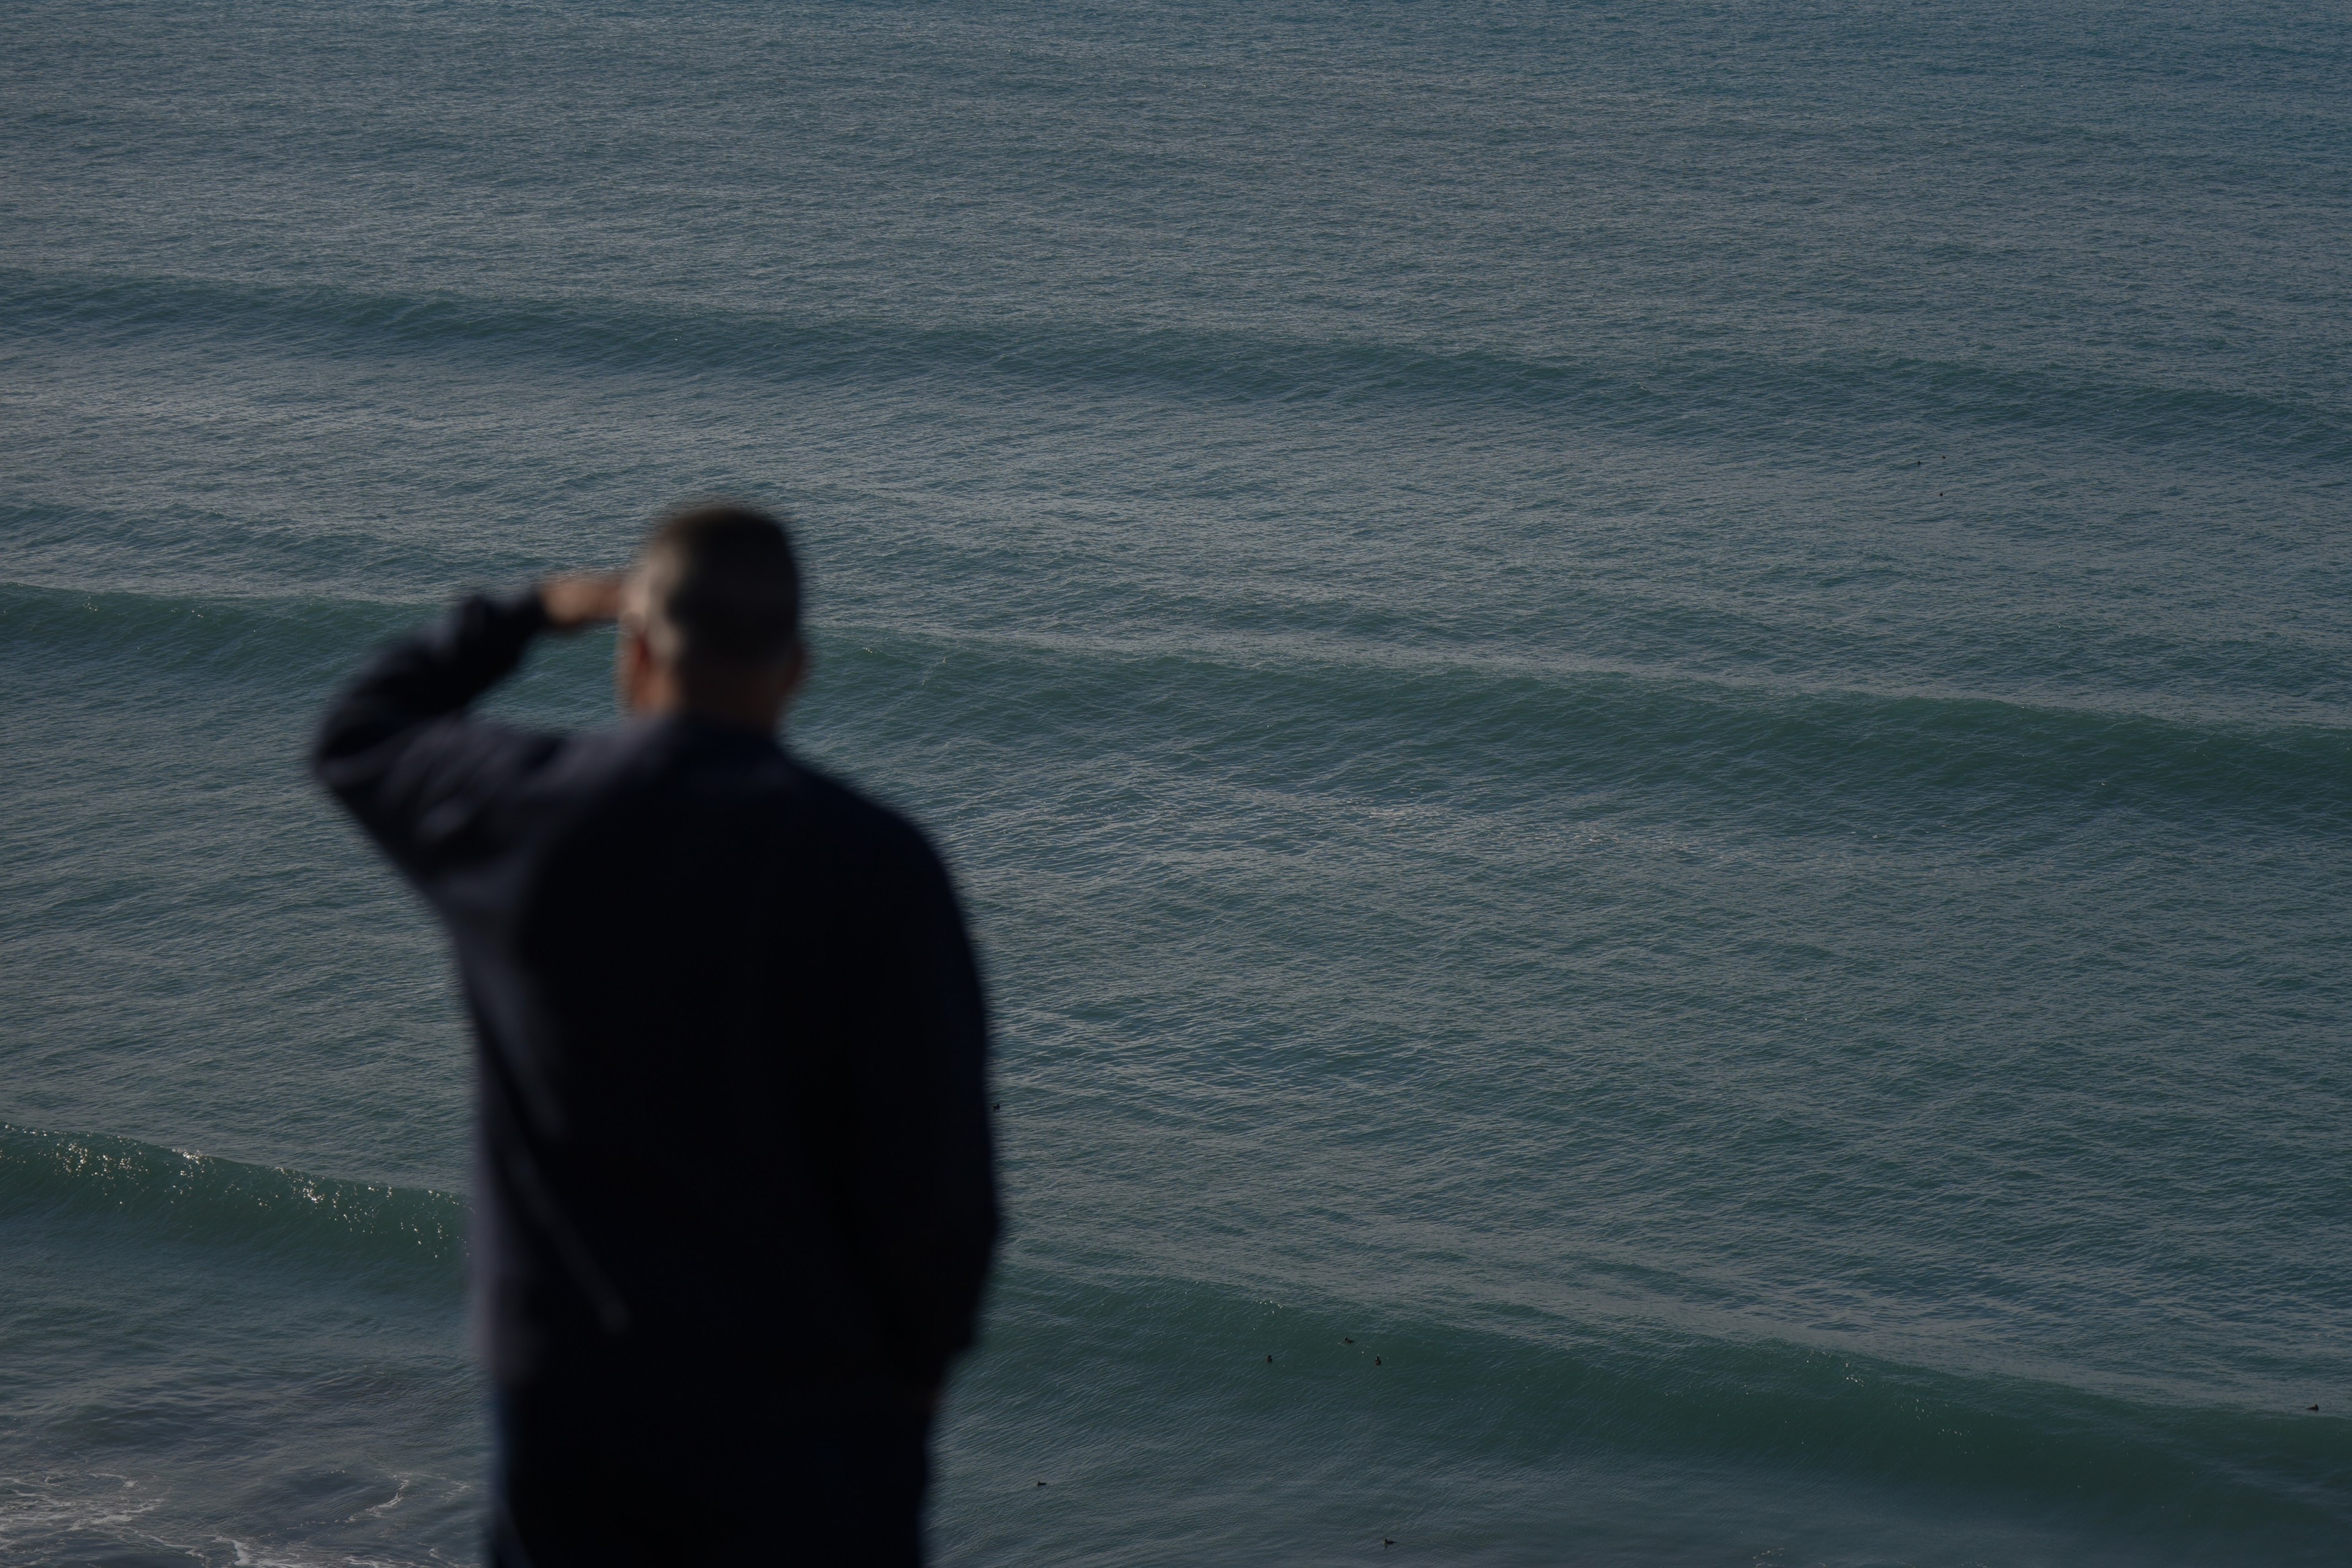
(859, 821)
(637, 776)
(584, 764)
(681, 773)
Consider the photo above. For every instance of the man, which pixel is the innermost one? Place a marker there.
(734, 1199)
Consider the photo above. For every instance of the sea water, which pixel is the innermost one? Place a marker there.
(1647, 712)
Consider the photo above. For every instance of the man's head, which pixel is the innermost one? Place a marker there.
(710, 619)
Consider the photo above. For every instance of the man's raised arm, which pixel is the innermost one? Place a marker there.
(397, 749)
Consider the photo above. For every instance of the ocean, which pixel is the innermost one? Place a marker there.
(1646, 710)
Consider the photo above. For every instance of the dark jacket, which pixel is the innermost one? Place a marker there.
(733, 1125)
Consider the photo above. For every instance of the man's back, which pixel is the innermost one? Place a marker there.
(734, 1152)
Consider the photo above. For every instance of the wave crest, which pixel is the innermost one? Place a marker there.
(1716, 390)
(213, 1201)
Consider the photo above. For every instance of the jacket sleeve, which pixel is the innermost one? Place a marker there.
(397, 749)
(925, 1180)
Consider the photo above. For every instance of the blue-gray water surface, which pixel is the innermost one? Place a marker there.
(1647, 712)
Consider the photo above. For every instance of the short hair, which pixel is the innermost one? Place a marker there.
(723, 579)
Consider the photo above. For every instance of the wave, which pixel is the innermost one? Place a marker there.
(1539, 1392)
(1302, 714)
(1556, 1396)
(1328, 714)
(414, 1232)
(1714, 392)
(311, 642)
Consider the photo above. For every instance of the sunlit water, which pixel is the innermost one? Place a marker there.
(1650, 708)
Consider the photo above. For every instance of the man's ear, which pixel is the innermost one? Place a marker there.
(633, 668)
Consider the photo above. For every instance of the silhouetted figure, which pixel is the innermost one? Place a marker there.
(734, 1200)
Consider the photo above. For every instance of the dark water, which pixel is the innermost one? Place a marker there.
(1649, 707)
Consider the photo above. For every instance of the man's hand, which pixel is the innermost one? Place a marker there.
(582, 599)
